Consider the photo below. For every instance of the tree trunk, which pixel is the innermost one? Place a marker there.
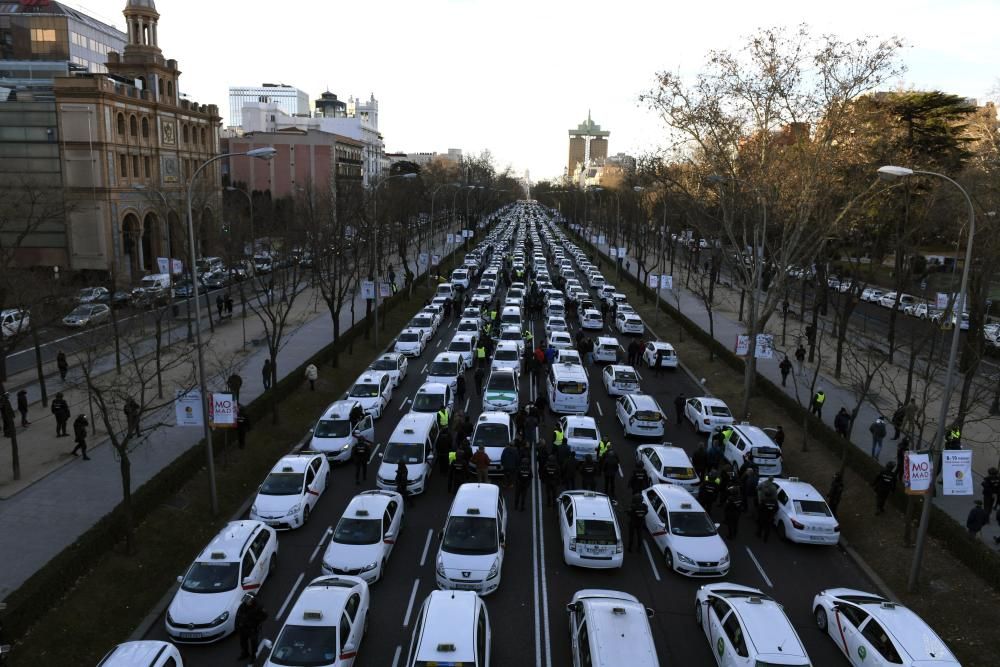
(273, 352)
(159, 356)
(38, 364)
(125, 467)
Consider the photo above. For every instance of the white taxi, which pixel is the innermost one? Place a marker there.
(666, 464)
(565, 355)
(589, 530)
(871, 630)
(470, 557)
(684, 533)
(143, 653)
(426, 322)
(620, 380)
(512, 334)
(432, 397)
(560, 339)
(590, 319)
(629, 323)
(746, 627)
(291, 490)
(373, 390)
(452, 628)
(412, 341)
(803, 515)
(707, 412)
(582, 435)
(445, 369)
(238, 560)
(339, 427)
(325, 625)
(501, 391)
(506, 356)
(640, 416)
(609, 628)
(463, 344)
(669, 359)
(555, 323)
(470, 325)
(394, 364)
(365, 535)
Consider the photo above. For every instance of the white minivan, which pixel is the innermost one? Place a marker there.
(412, 443)
(473, 541)
(608, 629)
(569, 389)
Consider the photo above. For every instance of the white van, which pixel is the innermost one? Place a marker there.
(413, 442)
(511, 315)
(155, 282)
(452, 628)
(473, 541)
(569, 389)
(743, 441)
(13, 322)
(446, 368)
(336, 430)
(608, 629)
(606, 349)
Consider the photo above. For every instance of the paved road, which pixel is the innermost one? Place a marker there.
(528, 611)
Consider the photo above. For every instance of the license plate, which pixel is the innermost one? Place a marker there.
(190, 635)
(273, 523)
(467, 587)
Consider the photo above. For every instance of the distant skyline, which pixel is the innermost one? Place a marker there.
(514, 77)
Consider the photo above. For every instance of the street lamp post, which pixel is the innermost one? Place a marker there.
(263, 154)
(434, 194)
(890, 172)
(375, 220)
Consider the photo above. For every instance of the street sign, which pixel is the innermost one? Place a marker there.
(653, 280)
(187, 407)
(451, 239)
(916, 472)
(435, 259)
(222, 410)
(422, 259)
(956, 471)
(367, 289)
(384, 290)
(666, 282)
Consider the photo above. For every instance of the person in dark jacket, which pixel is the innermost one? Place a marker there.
(360, 453)
(639, 481)
(402, 483)
(80, 425)
(62, 365)
(509, 459)
(842, 423)
(767, 506)
(249, 617)
(785, 367)
(633, 353)
(679, 406)
(569, 471)
(636, 520)
(884, 484)
(991, 489)
(835, 493)
(709, 490)
(748, 486)
(7, 414)
(22, 407)
(132, 417)
(978, 517)
(609, 467)
(522, 482)
(235, 383)
(901, 448)
(550, 476)
(897, 420)
(779, 436)
(460, 389)
(442, 450)
(458, 470)
(265, 374)
(733, 508)
(479, 376)
(60, 410)
(588, 473)
(242, 426)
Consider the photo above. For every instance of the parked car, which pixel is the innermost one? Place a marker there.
(85, 315)
(14, 321)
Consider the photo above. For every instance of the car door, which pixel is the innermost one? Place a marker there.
(566, 520)
(655, 467)
(346, 640)
(656, 519)
(365, 428)
(386, 388)
(735, 651)
(876, 648)
(715, 613)
(694, 410)
(482, 639)
(250, 578)
(609, 378)
(390, 526)
(848, 621)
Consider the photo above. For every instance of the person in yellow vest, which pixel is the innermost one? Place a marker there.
(480, 354)
(602, 449)
(442, 416)
(953, 439)
(817, 403)
(558, 437)
(726, 432)
(493, 315)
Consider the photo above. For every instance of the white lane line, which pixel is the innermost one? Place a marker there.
(535, 499)
(637, 373)
(599, 410)
(424, 369)
(620, 347)
(409, 607)
(403, 404)
(652, 563)
(620, 472)
(374, 452)
(438, 344)
(291, 594)
(544, 582)
(467, 401)
(427, 546)
(395, 656)
(329, 531)
(759, 568)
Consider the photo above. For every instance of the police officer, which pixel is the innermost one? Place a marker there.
(481, 350)
(558, 438)
(884, 484)
(609, 466)
(767, 505)
(360, 453)
(588, 473)
(817, 403)
(636, 520)
(709, 490)
(442, 418)
(953, 440)
(602, 449)
(443, 450)
(733, 508)
(249, 617)
(522, 482)
(639, 480)
(458, 469)
(550, 475)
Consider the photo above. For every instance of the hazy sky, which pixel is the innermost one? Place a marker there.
(514, 76)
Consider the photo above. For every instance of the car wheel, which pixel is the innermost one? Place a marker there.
(668, 557)
(820, 616)
(272, 564)
(781, 531)
(305, 515)
(697, 612)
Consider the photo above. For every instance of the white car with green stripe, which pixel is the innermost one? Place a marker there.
(501, 392)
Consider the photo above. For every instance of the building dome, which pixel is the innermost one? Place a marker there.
(140, 4)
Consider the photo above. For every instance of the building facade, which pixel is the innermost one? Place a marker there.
(289, 99)
(454, 155)
(588, 144)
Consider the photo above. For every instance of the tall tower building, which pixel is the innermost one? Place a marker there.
(587, 143)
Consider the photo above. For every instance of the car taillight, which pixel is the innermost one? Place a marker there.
(707, 421)
(836, 528)
(797, 525)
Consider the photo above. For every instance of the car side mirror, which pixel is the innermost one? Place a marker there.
(649, 612)
(717, 526)
(180, 578)
(265, 645)
(380, 454)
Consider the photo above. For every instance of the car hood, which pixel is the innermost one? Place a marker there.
(331, 444)
(352, 556)
(455, 564)
(200, 608)
(275, 505)
(711, 549)
(413, 471)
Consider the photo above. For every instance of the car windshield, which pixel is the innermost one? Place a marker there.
(364, 390)
(409, 338)
(460, 346)
(510, 335)
(719, 411)
(571, 387)
(211, 577)
(584, 433)
(305, 646)
(282, 484)
(506, 355)
(473, 535)
(501, 382)
(491, 435)
(467, 326)
(427, 402)
(358, 531)
(443, 368)
(595, 531)
(80, 311)
(332, 428)
(407, 452)
(86, 293)
(691, 524)
(678, 472)
(422, 322)
(626, 376)
(385, 365)
(812, 507)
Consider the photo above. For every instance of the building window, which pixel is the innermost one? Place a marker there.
(121, 124)
(184, 132)
(135, 166)
(145, 128)
(204, 137)
(170, 88)
(146, 165)
(123, 165)
(43, 35)
(133, 126)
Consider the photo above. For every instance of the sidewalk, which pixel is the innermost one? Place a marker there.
(64, 501)
(727, 328)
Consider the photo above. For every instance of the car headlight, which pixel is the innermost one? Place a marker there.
(294, 510)
(440, 567)
(170, 619)
(345, 447)
(684, 559)
(371, 566)
(495, 569)
(221, 618)
(253, 509)
(724, 560)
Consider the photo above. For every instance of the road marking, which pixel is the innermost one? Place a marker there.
(329, 531)
(427, 546)
(403, 404)
(652, 563)
(374, 452)
(424, 369)
(599, 410)
(409, 607)
(395, 656)
(544, 582)
(291, 593)
(467, 404)
(620, 346)
(759, 568)
(438, 344)
(535, 500)
(637, 373)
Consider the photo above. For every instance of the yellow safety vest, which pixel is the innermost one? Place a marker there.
(955, 434)
(452, 456)
(481, 352)
(558, 437)
(726, 432)
(820, 398)
(602, 448)
(442, 417)
(493, 314)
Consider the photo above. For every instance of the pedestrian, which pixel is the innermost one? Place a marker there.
(460, 388)
(132, 416)
(220, 305)
(633, 353)
(842, 423)
(785, 367)
(523, 482)
(709, 490)
(7, 413)
(60, 410)
(897, 420)
(699, 459)
(901, 447)
(568, 470)
(978, 517)
(531, 423)
(550, 475)
(816, 407)
(609, 467)
(62, 365)
(509, 459)
(481, 352)
(588, 473)
(249, 617)
(779, 436)
(443, 451)
(402, 483)
(22, 407)
(952, 439)
(878, 432)
(481, 462)
(679, 406)
(242, 426)
(458, 469)
(479, 376)
(767, 506)
(910, 415)
(235, 383)
(835, 493)
(733, 509)
(312, 373)
(265, 373)
(800, 356)
(659, 361)
(991, 489)
(884, 484)
(748, 486)
(361, 451)
(80, 425)
(637, 512)
(639, 480)
(229, 304)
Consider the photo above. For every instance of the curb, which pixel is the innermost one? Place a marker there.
(863, 565)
